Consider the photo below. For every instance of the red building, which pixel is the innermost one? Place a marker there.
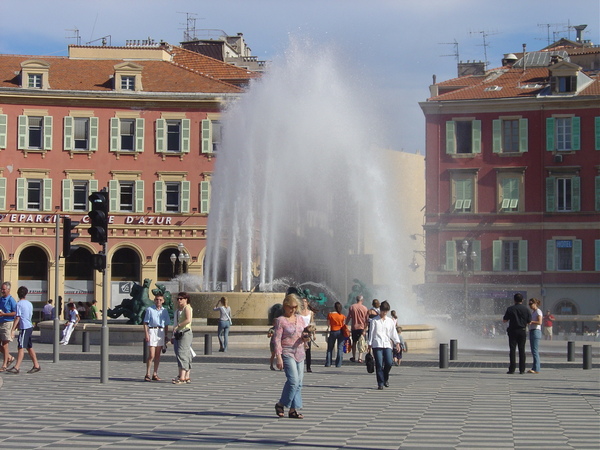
(141, 121)
(513, 185)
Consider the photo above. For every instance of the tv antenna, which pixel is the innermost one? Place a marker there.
(189, 33)
(455, 54)
(485, 45)
(75, 36)
(551, 25)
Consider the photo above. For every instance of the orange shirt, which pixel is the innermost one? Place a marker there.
(336, 321)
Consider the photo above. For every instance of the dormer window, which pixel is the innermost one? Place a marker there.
(567, 78)
(564, 84)
(127, 83)
(128, 77)
(35, 80)
(34, 74)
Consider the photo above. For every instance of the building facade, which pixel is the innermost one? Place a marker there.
(513, 187)
(142, 122)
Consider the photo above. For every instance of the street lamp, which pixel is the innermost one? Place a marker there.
(183, 257)
(173, 259)
(466, 261)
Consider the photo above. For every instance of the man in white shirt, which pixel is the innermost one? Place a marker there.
(381, 335)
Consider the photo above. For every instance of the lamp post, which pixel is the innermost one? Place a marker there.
(466, 261)
(173, 259)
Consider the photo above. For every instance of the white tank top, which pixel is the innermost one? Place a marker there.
(306, 319)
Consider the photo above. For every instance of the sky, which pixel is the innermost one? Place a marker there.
(392, 47)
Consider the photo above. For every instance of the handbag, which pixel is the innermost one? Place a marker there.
(370, 362)
(346, 331)
(361, 345)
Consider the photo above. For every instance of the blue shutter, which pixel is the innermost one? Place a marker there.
(550, 142)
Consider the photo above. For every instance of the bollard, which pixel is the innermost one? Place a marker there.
(207, 344)
(453, 349)
(443, 356)
(145, 351)
(85, 341)
(571, 351)
(587, 357)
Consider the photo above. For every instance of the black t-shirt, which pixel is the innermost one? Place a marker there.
(518, 316)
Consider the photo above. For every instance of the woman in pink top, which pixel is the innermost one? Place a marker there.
(289, 350)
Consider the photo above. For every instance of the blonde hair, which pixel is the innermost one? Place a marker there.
(290, 299)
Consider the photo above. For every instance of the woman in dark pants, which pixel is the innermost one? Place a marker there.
(336, 321)
(382, 334)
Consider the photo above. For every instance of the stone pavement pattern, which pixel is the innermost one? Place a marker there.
(230, 405)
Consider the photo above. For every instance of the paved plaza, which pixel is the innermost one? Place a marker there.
(230, 403)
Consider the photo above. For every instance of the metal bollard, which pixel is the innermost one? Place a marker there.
(145, 351)
(453, 349)
(571, 351)
(85, 341)
(443, 356)
(207, 344)
(587, 357)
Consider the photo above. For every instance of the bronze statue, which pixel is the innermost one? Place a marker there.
(359, 288)
(134, 308)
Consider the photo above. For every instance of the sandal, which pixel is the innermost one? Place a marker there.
(11, 361)
(279, 410)
(3, 369)
(156, 378)
(188, 381)
(360, 361)
(34, 370)
(178, 381)
(13, 370)
(295, 415)
(147, 378)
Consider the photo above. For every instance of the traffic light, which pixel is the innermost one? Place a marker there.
(68, 236)
(99, 261)
(99, 217)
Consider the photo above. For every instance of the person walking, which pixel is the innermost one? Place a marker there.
(23, 322)
(182, 338)
(156, 328)
(8, 310)
(381, 336)
(224, 323)
(357, 314)
(71, 323)
(547, 324)
(535, 333)
(307, 315)
(289, 339)
(518, 318)
(336, 321)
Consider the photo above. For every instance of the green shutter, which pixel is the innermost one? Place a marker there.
(597, 254)
(115, 133)
(67, 195)
(185, 196)
(550, 246)
(523, 135)
(450, 137)
(550, 145)
(161, 126)
(92, 186)
(450, 256)
(3, 131)
(159, 196)
(576, 194)
(3, 194)
(497, 136)
(139, 135)
(476, 247)
(496, 256)
(21, 193)
(93, 134)
(597, 132)
(47, 188)
(575, 133)
(204, 197)
(522, 256)
(113, 195)
(550, 194)
(577, 255)
(476, 133)
(139, 196)
(185, 135)
(597, 179)
(23, 135)
(47, 132)
(68, 135)
(206, 136)
(459, 194)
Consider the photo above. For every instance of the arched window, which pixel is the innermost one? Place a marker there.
(78, 266)
(566, 307)
(33, 264)
(125, 265)
(166, 269)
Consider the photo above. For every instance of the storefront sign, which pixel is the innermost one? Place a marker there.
(51, 218)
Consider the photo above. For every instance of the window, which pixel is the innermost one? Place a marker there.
(563, 254)
(172, 196)
(462, 195)
(173, 135)
(463, 136)
(80, 195)
(126, 195)
(126, 135)
(35, 132)
(564, 84)
(452, 248)
(563, 133)
(81, 133)
(510, 135)
(82, 127)
(34, 80)
(563, 193)
(127, 83)
(34, 193)
(75, 192)
(509, 255)
(510, 192)
(211, 136)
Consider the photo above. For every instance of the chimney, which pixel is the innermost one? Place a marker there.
(471, 68)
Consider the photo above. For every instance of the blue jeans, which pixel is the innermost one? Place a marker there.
(534, 341)
(383, 364)
(223, 333)
(291, 396)
(335, 336)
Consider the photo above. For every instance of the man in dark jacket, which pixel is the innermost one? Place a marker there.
(518, 317)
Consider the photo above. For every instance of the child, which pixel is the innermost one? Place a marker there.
(70, 325)
(403, 347)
